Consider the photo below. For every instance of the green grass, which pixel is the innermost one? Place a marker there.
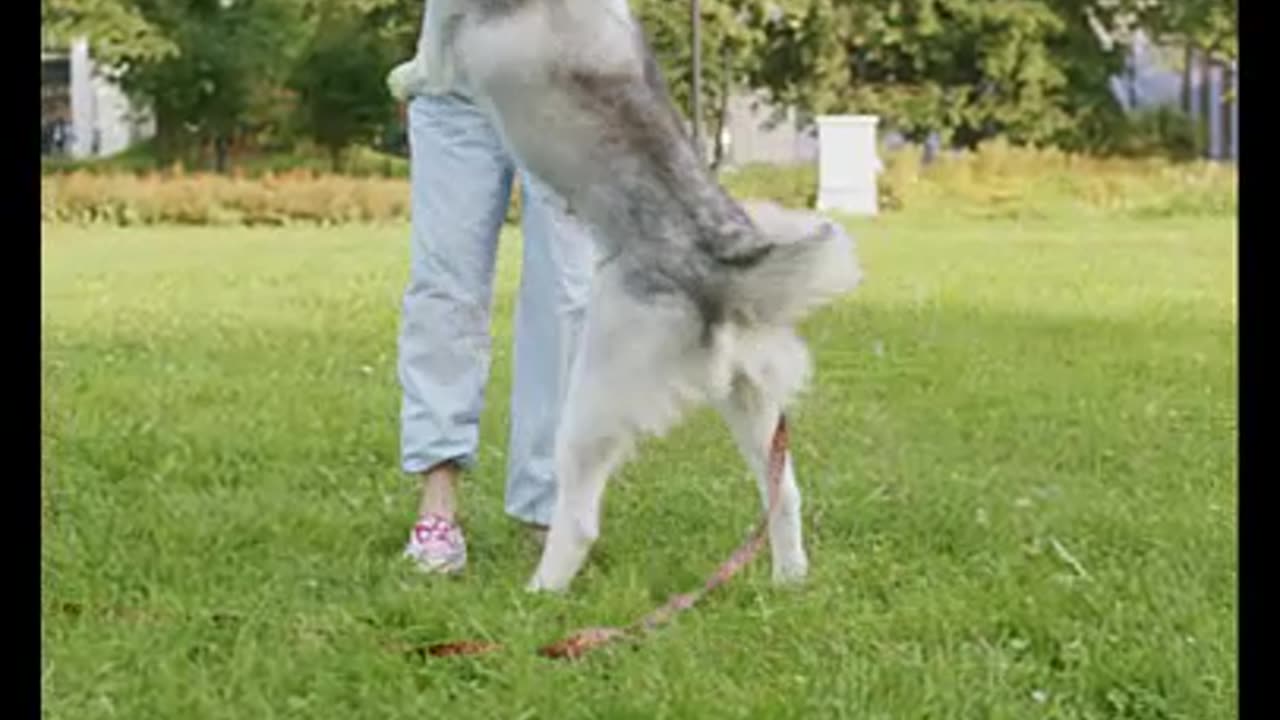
(222, 511)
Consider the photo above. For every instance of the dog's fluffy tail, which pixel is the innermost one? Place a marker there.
(812, 261)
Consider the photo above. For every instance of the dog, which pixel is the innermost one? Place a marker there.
(695, 297)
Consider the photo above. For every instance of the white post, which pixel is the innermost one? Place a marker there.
(1214, 77)
(848, 164)
(82, 99)
(1235, 112)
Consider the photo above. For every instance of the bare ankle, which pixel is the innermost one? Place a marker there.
(439, 491)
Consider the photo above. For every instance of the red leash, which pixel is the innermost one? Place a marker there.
(584, 641)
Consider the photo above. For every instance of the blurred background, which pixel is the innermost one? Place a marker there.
(224, 84)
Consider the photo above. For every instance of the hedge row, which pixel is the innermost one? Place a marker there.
(993, 181)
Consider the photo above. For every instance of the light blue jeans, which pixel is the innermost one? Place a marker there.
(462, 179)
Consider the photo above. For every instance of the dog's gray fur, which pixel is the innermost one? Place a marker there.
(694, 298)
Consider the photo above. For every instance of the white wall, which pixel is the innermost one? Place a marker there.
(116, 126)
(100, 110)
(757, 135)
(1156, 81)
(83, 111)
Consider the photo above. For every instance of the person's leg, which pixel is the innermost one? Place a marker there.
(461, 185)
(555, 281)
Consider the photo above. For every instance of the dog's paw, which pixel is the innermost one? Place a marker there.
(791, 571)
(538, 585)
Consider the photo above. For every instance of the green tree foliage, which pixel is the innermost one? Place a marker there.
(1209, 25)
(1033, 71)
(340, 99)
(224, 81)
(397, 22)
(730, 42)
(969, 69)
(120, 33)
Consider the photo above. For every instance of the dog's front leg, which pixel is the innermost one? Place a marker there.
(583, 466)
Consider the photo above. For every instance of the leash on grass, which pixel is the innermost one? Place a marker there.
(584, 641)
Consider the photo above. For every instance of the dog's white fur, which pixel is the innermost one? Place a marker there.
(644, 360)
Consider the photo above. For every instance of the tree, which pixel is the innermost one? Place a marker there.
(397, 22)
(1208, 25)
(222, 83)
(120, 33)
(968, 69)
(729, 41)
(341, 95)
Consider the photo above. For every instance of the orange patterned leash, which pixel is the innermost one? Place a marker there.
(584, 641)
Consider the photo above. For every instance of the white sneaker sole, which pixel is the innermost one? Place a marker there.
(437, 565)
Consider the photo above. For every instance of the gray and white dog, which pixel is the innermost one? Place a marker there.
(695, 297)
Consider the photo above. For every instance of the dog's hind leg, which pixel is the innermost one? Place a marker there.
(752, 418)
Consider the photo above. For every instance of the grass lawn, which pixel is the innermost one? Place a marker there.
(1018, 464)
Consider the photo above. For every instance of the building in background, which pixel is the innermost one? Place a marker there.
(1159, 76)
(757, 132)
(83, 114)
(55, 104)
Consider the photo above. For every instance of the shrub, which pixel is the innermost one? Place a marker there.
(995, 180)
(789, 185)
(1162, 132)
(999, 180)
(358, 161)
(206, 199)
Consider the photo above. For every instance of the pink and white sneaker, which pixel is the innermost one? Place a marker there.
(436, 545)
